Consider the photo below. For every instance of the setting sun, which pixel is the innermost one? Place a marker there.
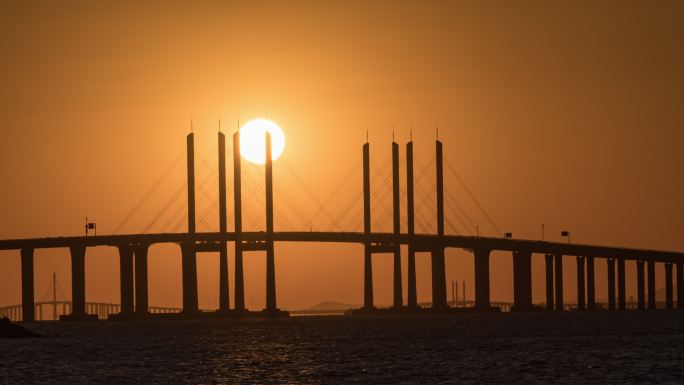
(253, 140)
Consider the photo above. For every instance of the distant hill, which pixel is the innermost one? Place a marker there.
(331, 305)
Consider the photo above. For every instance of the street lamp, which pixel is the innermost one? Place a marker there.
(508, 235)
(566, 234)
(90, 226)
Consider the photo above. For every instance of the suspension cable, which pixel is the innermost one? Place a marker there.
(148, 194)
(472, 196)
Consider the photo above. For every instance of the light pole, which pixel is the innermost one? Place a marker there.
(566, 234)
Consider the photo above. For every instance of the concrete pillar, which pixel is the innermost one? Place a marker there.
(27, 296)
(610, 262)
(522, 281)
(558, 262)
(237, 196)
(239, 278)
(270, 253)
(651, 284)
(680, 285)
(621, 284)
(410, 218)
(439, 295)
(591, 284)
(78, 280)
(126, 278)
(482, 300)
(367, 279)
(669, 300)
(141, 286)
(641, 295)
(189, 266)
(548, 258)
(367, 262)
(191, 182)
(396, 216)
(224, 289)
(580, 283)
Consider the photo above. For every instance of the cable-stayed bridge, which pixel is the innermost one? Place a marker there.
(354, 224)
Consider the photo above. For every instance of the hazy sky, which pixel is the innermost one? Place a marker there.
(568, 114)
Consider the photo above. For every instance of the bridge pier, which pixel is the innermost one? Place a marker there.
(270, 279)
(439, 299)
(412, 300)
(482, 298)
(548, 258)
(239, 279)
(591, 284)
(580, 283)
(410, 219)
(78, 304)
(522, 281)
(621, 284)
(78, 280)
(610, 263)
(367, 278)
(650, 264)
(669, 300)
(189, 266)
(558, 262)
(680, 285)
(141, 276)
(27, 295)
(126, 279)
(641, 295)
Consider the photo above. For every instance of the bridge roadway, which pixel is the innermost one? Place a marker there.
(421, 242)
(133, 249)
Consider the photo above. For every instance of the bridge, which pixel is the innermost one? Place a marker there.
(133, 249)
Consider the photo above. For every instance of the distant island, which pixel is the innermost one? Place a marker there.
(326, 307)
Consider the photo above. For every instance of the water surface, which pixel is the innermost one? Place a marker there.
(600, 347)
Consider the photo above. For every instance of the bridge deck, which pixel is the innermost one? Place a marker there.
(421, 241)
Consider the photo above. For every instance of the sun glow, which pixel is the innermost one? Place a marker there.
(253, 140)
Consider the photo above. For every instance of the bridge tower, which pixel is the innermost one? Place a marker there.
(224, 298)
(371, 247)
(410, 219)
(439, 299)
(189, 254)
(367, 261)
(237, 199)
(396, 219)
(242, 245)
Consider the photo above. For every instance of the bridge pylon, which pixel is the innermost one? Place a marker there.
(245, 245)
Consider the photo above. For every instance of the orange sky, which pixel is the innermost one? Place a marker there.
(568, 115)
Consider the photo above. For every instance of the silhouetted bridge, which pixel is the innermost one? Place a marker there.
(51, 310)
(133, 250)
